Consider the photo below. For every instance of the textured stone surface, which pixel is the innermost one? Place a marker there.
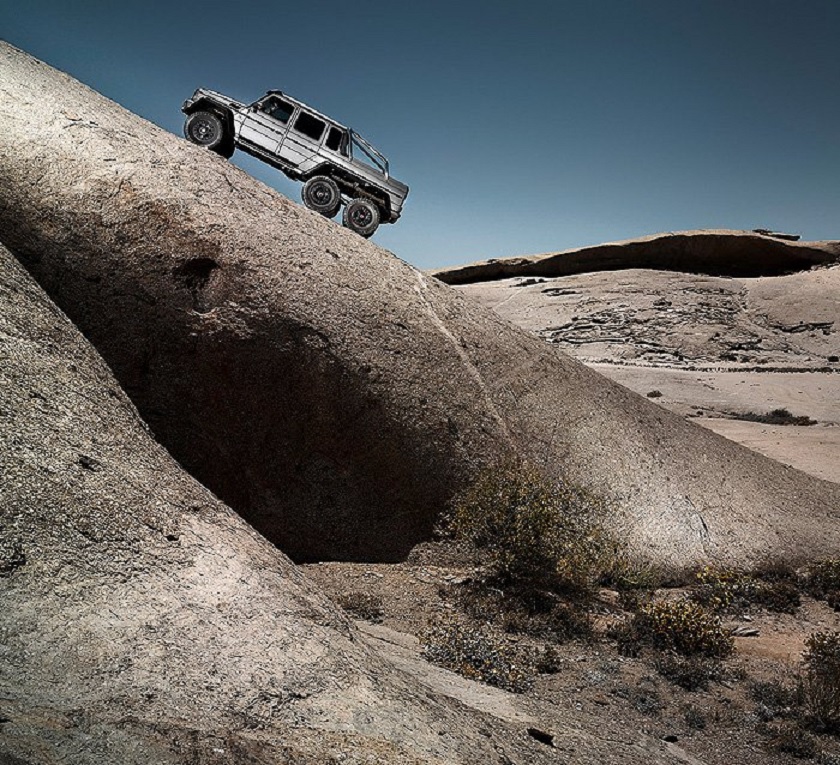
(331, 394)
(709, 252)
(144, 622)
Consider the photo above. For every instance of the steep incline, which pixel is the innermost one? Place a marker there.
(145, 622)
(333, 395)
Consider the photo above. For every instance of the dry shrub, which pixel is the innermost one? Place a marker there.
(821, 680)
(535, 534)
(693, 673)
(537, 613)
(727, 589)
(723, 589)
(694, 718)
(478, 655)
(775, 699)
(683, 626)
(791, 739)
(782, 597)
(823, 577)
(363, 605)
(776, 417)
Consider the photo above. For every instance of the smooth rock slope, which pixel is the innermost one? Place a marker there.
(145, 623)
(330, 393)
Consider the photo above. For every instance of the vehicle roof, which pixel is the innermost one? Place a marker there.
(314, 111)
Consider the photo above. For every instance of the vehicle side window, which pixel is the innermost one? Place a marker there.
(279, 109)
(310, 126)
(335, 140)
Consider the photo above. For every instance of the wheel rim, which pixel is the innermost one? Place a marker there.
(361, 216)
(203, 131)
(322, 195)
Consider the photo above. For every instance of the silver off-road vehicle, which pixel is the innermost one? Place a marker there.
(336, 164)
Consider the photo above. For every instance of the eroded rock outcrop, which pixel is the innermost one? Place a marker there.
(666, 318)
(709, 252)
(333, 395)
(144, 622)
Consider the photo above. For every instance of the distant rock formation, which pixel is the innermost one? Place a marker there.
(667, 318)
(331, 394)
(710, 252)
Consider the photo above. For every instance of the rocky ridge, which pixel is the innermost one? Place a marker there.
(334, 396)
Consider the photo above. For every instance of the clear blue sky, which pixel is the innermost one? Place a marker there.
(521, 127)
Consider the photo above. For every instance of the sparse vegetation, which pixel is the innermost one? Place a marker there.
(821, 680)
(478, 654)
(822, 578)
(693, 673)
(729, 590)
(791, 739)
(781, 597)
(535, 534)
(775, 417)
(362, 605)
(775, 699)
(694, 718)
(721, 589)
(523, 611)
(683, 626)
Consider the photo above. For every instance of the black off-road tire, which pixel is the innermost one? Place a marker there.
(362, 216)
(206, 129)
(322, 195)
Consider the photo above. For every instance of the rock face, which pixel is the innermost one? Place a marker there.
(144, 622)
(665, 318)
(712, 253)
(331, 394)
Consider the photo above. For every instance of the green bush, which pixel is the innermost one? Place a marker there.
(683, 626)
(536, 534)
(821, 680)
(478, 655)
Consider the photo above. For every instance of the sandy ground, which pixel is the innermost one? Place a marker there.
(712, 398)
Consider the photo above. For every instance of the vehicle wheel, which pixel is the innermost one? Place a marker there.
(362, 216)
(321, 194)
(205, 129)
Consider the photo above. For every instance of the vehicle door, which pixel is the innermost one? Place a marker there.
(303, 140)
(266, 123)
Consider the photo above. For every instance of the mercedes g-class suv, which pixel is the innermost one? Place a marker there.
(335, 163)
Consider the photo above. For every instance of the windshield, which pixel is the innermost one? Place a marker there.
(362, 151)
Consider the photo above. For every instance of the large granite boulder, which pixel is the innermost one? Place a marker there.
(145, 623)
(330, 393)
